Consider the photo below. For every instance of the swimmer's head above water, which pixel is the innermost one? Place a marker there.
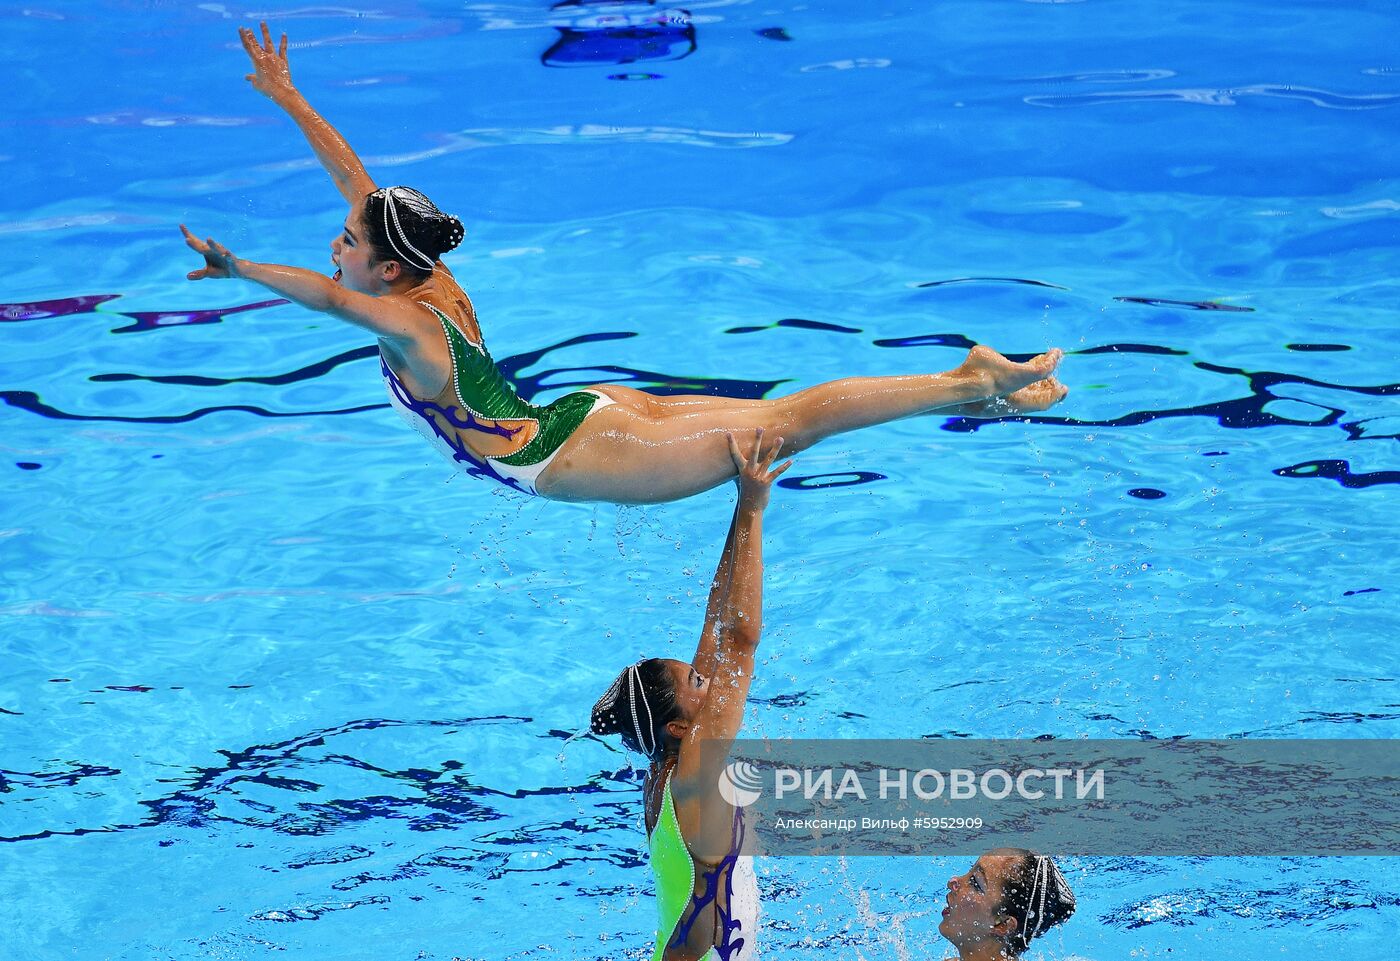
(1006, 899)
(393, 239)
(651, 705)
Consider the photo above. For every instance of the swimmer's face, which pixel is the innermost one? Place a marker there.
(692, 688)
(353, 257)
(974, 913)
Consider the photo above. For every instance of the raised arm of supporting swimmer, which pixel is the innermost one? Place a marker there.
(393, 318)
(271, 76)
(707, 650)
(725, 605)
(739, 614)
(740, 618)
(739, 621)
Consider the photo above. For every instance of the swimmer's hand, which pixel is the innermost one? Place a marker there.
(271, 76)
(756, 470)
(219, 262)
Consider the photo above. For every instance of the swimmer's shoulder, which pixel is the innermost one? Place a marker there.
(442, 292)
(654, 791)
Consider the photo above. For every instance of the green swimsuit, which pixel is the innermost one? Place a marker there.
(730, 887)
(478, 399)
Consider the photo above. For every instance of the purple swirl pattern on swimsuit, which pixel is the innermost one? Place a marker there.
(732, 941)
(474, 466)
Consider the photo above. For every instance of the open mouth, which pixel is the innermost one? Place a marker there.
(336, 276)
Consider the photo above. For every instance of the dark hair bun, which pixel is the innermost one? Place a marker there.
(447, 233)
(608, 709)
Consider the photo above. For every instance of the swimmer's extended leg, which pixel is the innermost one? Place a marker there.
(985, 361)
(627, 454)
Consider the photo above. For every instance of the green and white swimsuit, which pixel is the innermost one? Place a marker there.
(729, 889)
(477, 399)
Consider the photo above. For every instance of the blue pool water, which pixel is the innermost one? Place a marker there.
(277, 684)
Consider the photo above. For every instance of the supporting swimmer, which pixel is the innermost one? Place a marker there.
(1008, 898)
(707, 907)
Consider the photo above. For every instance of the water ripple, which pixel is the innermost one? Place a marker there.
(1221, 97)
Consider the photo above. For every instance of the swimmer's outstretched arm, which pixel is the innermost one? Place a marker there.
(720, 607)
(271, 76)
(739, 615)
(705, 746)
(392, 318)
(708, 648)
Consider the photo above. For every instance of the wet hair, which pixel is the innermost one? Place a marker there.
(638, 706)
(1036, 894)
(403, 225)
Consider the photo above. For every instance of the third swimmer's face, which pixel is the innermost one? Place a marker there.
(975, 901)
(352, 256)
(692, 687)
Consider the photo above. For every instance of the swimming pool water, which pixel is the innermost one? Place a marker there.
(277, 683)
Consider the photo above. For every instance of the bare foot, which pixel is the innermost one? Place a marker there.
(991, 375)
(1032, 399)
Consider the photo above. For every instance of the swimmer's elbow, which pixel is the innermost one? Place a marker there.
(743, 634)
(337, 301)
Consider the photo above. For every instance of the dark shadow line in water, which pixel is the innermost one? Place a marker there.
(192, 804)
(796, 323)
(992, 280)
(195, 805)
(794, 699)
(1344, 717)
(68, 778)
(1146, 493)
(144, 320)
(1310, 906)
(159, 319)
(309, 372)
(1239, 414)
(62, 307)
(314, 912)
(850, 478)
(1340, 471)
(1131, 349)
(71, 833)
(963, 342)
(1261, 380)
(512, 365)
(528, 385)
(28, 400)
(928, 340)
(1185, 304)
(649, 381)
